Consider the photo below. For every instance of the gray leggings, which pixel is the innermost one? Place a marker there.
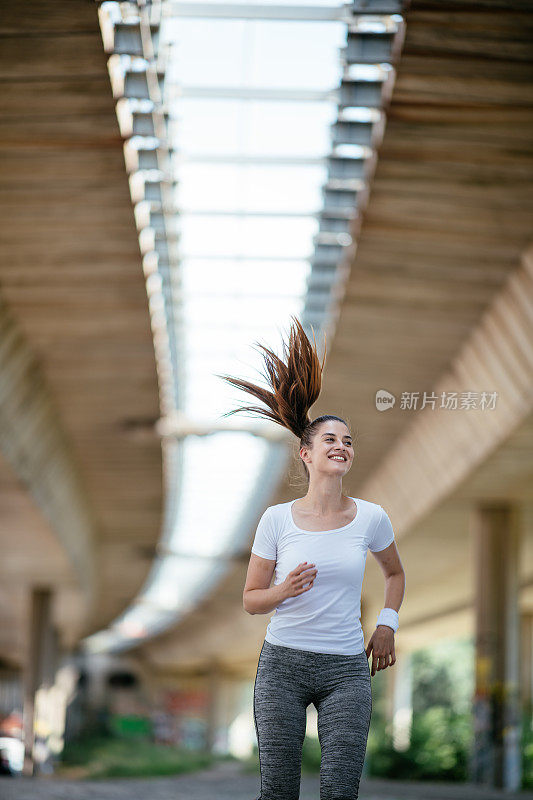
(286, 682)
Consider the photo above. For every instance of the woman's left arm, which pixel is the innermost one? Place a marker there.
(381, 643)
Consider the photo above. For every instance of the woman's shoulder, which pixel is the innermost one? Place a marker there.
(279, 510)
(278, 515)
(372, 509)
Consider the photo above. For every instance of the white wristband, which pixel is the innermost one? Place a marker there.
(388, 616)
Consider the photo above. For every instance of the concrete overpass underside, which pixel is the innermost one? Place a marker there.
(81, 471)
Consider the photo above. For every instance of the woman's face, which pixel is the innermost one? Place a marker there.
(332, 449)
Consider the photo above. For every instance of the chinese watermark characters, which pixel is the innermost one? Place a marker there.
(449, 401)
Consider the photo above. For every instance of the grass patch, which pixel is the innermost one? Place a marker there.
(100, 756)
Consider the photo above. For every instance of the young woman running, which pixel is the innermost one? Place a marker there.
(317, 545)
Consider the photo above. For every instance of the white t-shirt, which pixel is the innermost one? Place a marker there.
(327, 617)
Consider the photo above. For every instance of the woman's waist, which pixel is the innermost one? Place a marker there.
(332, 614)
(338, 641)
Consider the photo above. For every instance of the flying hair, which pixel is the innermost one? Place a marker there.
(295, 382)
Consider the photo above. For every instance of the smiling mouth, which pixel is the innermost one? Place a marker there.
(336, 458)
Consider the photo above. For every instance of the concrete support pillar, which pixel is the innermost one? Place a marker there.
(526, 663)
(96, 695)
(402, 702)
(229, 706)
(40, 670)
(526, 669)
(234, 725)
(391, 677)
(213, 684)
(495, 758)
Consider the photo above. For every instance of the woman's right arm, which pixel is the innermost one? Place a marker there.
(259, 597)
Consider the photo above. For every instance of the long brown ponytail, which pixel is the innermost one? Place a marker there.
(295, 385)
